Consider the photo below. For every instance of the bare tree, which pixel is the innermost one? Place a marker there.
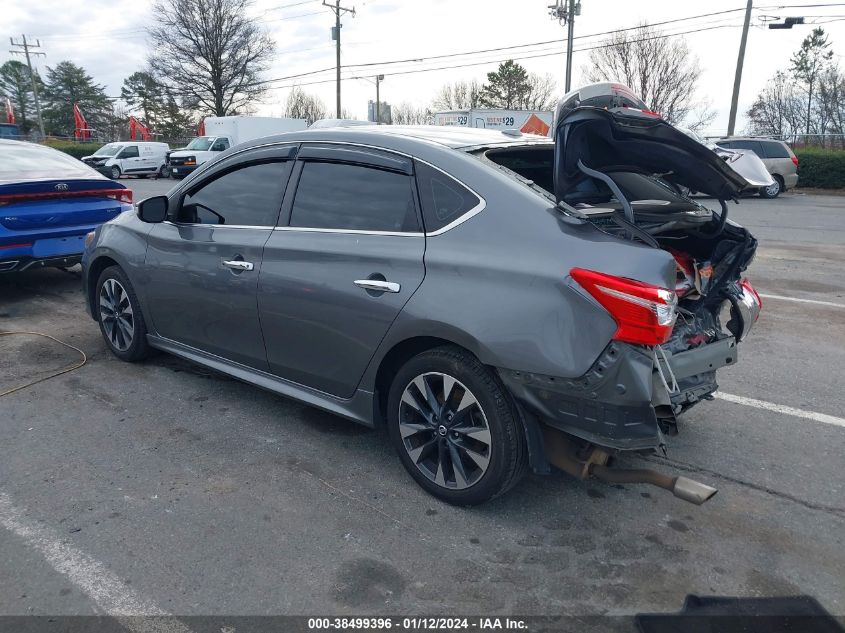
(301, 105)
(778, 109)
(210, 52)
(408, 114)
(661, 70)
(540, 94)
(460, 95)
(830, 102)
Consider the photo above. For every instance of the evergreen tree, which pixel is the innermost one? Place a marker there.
(507, 87)
(16, 84)
(809, 63)
(67, 84)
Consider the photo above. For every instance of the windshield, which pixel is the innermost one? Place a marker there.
(108, 150)
(201, 143)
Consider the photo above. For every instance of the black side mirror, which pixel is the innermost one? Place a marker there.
(153, 209)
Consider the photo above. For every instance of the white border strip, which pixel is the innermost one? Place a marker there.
(813, 301)
(105, 588)
(779, 408)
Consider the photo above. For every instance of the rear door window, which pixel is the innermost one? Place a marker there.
(349, 197)
(774, 149)
(247, 196)
(443, 198)
(754, 146)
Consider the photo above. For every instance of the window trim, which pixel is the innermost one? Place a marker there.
(469, 213)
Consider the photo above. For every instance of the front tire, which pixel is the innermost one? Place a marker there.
(455, 427)
(119, 315)
(115, 172)
(773, 190)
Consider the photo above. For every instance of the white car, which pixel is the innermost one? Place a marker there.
(130, 158)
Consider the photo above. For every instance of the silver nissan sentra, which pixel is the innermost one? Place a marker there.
(500, 302)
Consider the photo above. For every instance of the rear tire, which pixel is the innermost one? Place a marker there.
(773, 190)
(465, 446)
(119, 315)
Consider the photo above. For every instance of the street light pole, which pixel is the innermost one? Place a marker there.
(379, 78)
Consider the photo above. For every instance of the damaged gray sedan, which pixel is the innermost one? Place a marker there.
(499, 302)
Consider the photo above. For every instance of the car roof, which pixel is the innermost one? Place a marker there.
(452, 137)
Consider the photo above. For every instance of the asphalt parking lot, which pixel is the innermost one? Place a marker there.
(163, 487)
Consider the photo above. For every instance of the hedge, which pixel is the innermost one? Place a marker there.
(821, 168)
(77, 150)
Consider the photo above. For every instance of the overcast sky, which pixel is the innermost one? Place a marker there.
(107, 39)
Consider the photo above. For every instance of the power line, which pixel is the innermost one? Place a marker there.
(533, 55)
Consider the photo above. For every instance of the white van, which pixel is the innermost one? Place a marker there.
(130, 158)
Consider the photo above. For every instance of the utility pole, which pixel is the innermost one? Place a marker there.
(564, 11)
(738, 77)
(24, 49)
(338, 11)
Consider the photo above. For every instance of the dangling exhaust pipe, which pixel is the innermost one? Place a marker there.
(682, 487)
(592, 462)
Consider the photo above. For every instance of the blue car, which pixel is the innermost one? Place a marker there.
(49, 201)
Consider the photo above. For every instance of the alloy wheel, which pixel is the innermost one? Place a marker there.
(773, 189)
(116, 314)
(444, 430)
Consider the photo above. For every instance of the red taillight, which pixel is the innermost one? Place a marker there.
(122, 195)
(21, 245)
(644, 314)
(795, 161)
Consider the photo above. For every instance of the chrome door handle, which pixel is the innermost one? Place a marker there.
(378, 286)
(238, 264)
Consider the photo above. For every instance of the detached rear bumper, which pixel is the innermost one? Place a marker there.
(616, 403)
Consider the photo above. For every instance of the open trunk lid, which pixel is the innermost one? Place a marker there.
(606, 127)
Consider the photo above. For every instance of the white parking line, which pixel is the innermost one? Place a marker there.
(107, 590)
(779, 408)
(813, 301)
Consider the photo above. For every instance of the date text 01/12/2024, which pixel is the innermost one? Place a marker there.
(418, 624)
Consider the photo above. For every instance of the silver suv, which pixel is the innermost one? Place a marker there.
(776, 156)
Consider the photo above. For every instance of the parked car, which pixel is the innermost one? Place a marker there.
(49, 201)
(131, 158)
(776, 155)
(746, 163)
(486, 296)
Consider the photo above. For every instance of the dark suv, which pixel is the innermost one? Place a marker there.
(487, 296)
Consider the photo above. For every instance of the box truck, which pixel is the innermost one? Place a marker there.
(223, 132)
(526, 121)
